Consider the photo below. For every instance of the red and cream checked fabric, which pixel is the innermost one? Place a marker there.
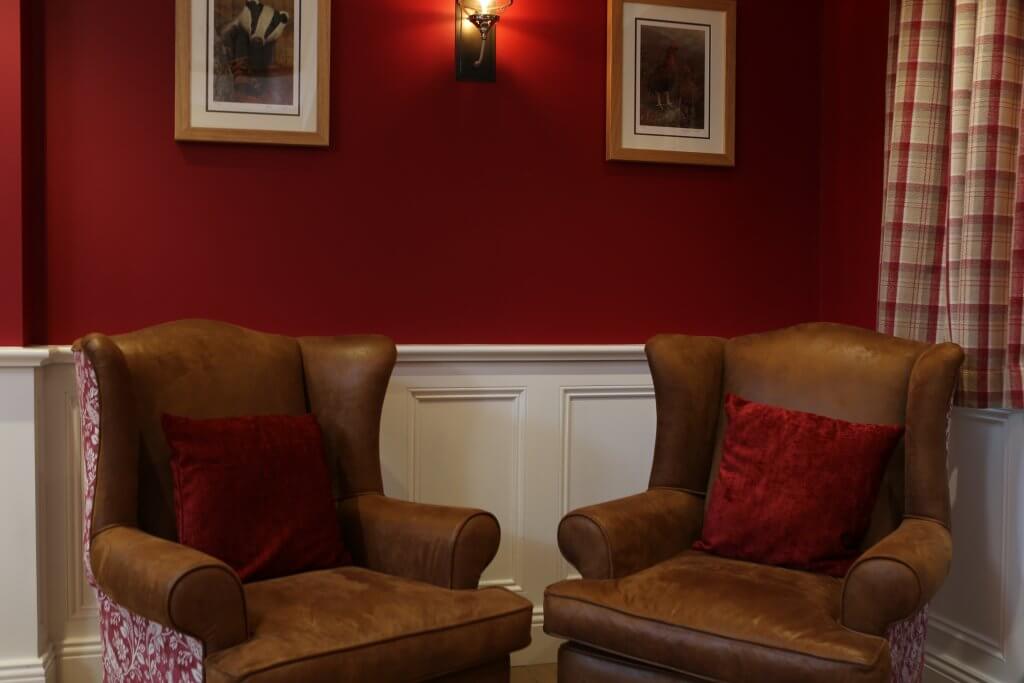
(952, 264)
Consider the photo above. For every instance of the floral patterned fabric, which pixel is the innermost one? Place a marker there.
(906, 645)
(135, 650)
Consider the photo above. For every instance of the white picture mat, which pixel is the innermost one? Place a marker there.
(306, 122)
(631, 11)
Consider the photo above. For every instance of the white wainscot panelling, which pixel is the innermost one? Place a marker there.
(608, 442)
(72, 607)
(25, 652)
(527, 433)
(466, 449)
(607, 445)
(977, 621)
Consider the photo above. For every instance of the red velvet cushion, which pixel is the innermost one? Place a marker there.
(795, 489)
(255, 493)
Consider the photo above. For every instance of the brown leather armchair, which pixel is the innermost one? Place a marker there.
(408, 610)
(651, 609)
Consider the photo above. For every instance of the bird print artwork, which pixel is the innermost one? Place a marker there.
(672, 73)
(663, 80)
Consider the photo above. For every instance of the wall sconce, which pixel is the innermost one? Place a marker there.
(475, 50)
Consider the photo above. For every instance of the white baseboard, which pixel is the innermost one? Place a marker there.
(946, 669)
(40, 670)
(80, 661)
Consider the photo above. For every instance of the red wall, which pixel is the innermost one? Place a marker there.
(11, 221)
(443, 212)
(853, 140)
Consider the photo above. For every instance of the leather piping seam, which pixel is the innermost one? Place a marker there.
(621, 659)
(925, 518)
(359, 494)
(119, 525)
(712, 635)
(679, 489)
(246, 676)
(455, 543)
(604, 535)
(920, 587)
(241, 591)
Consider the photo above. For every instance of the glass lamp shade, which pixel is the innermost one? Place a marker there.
(485, 7)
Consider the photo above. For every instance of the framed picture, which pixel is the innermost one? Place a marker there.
(672, 81)
(253, 71)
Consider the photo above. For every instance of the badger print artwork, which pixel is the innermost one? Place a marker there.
(671, 81)
(253, 71)
(256, 57)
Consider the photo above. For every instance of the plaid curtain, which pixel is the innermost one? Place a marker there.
(952, 264)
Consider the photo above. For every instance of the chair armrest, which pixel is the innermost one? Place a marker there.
(173, 585)
(897, 577)
(448, 547)
(619, 538)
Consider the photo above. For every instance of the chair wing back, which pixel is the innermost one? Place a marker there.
(840, 372)
(346, 379)
(687, 374)
(196, 369)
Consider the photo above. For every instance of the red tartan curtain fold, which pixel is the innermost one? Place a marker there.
(952, 263)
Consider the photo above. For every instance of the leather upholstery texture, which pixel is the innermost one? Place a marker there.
(319, 627)
(624, 536)
(448, 547)
(651, 609)
(408, 610)
(726, 620)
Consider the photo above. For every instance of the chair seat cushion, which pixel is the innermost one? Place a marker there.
(722, 619)
(352, 624)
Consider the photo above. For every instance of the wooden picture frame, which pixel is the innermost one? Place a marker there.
(672, 81)
(230, 84)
